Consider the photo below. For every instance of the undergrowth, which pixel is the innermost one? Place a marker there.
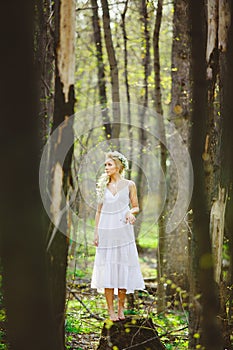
(86, 309)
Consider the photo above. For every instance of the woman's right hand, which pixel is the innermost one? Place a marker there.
(96, 240)
(130, 218)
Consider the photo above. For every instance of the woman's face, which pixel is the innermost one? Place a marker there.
(110, 167)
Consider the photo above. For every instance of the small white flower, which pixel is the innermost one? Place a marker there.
(123, 160)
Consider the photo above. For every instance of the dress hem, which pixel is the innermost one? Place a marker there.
(128, 291)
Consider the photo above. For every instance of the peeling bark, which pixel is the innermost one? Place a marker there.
(66, 46)
(212, 25)
(226, 98)
(224, 16)
(56, 193)
(60, 180)
(217, 221)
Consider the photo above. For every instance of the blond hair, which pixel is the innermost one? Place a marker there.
(121, 163)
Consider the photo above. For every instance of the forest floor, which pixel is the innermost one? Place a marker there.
(90, 303)
(86, 309)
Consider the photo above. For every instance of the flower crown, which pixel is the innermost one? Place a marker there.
(124, 161)
(121, 158)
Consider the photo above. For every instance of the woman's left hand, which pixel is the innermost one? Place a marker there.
(130, 218)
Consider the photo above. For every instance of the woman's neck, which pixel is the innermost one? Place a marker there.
(115, 178)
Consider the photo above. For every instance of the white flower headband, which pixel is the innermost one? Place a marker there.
(121, 158)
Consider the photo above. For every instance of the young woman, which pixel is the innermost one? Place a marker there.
(116, 266)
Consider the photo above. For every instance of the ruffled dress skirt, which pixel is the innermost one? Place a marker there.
(116, 261)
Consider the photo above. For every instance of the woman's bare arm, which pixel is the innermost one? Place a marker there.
(133, 198)
(97, 218)
(130, 216)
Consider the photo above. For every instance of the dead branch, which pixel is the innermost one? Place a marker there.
(99, 318)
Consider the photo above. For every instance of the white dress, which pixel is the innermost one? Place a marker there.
(116, 262)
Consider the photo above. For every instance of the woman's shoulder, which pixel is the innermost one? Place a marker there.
(130, 183)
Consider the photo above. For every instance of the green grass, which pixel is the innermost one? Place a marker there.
(148, 237)
(171, 326)
(2, 332)
(79, 320)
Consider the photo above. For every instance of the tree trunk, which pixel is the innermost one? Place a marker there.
(129, 121)
(44, 58)
(100, 66)
(226, 97)
(22, 238)
(211, 155)
(140, 180)
(176, 242)
(202, 264)
(113, 71)
(218, 25)
(139, 334)
(61, 173)
(163, 154)
(217, 223)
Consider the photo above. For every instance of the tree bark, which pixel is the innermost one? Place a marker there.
(211, 155)
(163, 154)
(176, 242)
(138, 334)
(218, 15)
(202, 264)
(44, 57)
(100, 67)
(140, 180)
(113, 71)
(226, 97)
(61, 178)
(22, 238)
(128, 98)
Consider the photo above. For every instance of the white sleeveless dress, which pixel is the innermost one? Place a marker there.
(116, 262)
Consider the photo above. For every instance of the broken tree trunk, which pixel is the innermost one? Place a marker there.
(217, 222)
(135, 333)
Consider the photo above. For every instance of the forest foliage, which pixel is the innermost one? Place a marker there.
(150, 78)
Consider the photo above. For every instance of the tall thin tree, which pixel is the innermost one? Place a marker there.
(202, 263)
(101, 69)
(176, 242)
(113, 71)
(163, 151)
(140, 179)
(127, 86)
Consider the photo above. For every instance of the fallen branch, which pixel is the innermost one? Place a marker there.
(171, 332)
(99, 318)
